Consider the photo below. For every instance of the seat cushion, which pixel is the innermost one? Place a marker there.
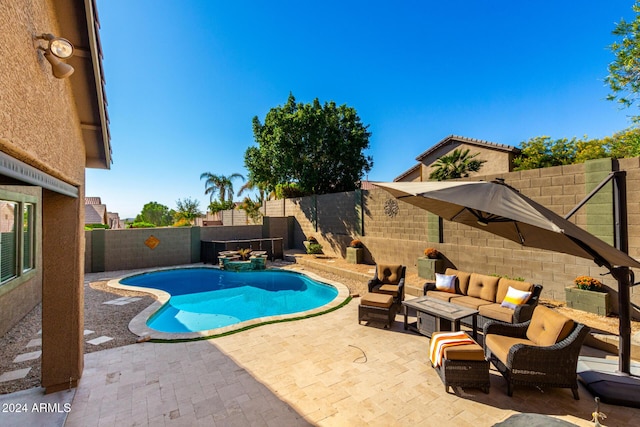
(444, 296)
(462, 352)
(483, 286)
(548, 327)
(497, 312)
(504, 284)
(376, 300)
(500, 345)
(388, 289)
(389, 273)
(471, 302)
(462, 282)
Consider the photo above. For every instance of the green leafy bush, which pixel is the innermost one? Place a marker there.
(314, 248)
(142, 224)
(92, 226)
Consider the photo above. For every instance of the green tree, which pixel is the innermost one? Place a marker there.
(155, 213)
(188, 209)
(624, 71)
(222, 184)
(455, 165)
(625, 143)
(542, 152)
(318, 147)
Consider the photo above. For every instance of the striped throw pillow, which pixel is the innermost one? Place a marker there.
(515, 298)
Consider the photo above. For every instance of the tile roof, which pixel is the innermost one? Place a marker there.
(473, 141)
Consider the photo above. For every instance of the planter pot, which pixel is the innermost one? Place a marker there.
(355, 255)
(428, 267)
(591, 301)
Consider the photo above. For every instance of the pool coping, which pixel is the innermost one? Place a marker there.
(138, 325)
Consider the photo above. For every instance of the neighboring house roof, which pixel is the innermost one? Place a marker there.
(470, 141)
(92, 201)
(367, 185)
(407, 172)
(95, 214)
(79, 24)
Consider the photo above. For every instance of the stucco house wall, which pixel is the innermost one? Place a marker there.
(46, 141)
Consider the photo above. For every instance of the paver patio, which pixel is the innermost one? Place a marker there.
(326, 370)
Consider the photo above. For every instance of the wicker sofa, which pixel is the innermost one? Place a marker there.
(542, 352)
(486, 294)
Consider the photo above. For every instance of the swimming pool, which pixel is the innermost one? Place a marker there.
(206, 300)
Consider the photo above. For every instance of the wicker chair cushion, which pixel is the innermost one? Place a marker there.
(548, 327)
(497, 312)
(464, 352)
(462, 282)
(388, 289)
(501, 344)
(389, 274)
(376, 300)
(471, 302)
(504, 284)
(483, 286)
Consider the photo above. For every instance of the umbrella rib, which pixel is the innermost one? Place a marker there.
(519, 233)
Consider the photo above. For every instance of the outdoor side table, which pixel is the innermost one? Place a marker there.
(434, 315)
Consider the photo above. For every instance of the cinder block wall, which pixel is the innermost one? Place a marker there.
(125, 249)
(394, 231)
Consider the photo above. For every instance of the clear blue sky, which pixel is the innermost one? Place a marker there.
(185, 78)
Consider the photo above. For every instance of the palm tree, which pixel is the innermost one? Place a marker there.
(260, 186)
(221, 184)
(455, 165)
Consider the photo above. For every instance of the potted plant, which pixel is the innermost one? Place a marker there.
(588, 294)
(312, 246)
(430, 264)
(355, 252)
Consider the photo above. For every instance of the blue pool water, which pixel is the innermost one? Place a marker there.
(206, 298)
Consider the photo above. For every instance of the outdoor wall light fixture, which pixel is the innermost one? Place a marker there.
(58, 48)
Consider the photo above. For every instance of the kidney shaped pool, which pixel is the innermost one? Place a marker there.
(206, 298)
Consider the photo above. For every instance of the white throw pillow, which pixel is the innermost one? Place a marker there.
(445, 283)
(515, 298)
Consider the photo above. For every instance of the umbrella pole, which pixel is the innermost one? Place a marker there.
(622, 274)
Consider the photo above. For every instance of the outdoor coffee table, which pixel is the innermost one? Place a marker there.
(434, 315)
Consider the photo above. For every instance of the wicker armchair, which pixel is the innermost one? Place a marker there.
(522, 361)
(389, 279)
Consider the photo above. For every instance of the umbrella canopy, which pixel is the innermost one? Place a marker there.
(500, 209)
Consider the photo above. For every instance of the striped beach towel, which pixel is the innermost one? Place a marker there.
(441, 341)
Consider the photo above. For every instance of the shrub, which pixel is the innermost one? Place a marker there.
(182, 222)
(314, 248)
(92, 226)
(141, 224)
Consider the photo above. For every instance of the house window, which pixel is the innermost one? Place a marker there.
(27, 237)
(8, 243)
(17, 239)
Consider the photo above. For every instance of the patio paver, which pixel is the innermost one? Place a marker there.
(326, 370)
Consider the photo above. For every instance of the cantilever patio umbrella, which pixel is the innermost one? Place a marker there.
(500, 209)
